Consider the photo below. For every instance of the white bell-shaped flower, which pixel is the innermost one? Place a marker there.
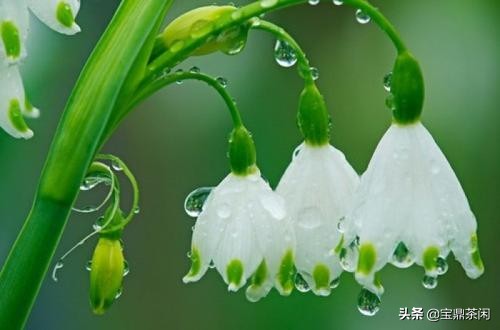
(14, 23)
(409, 208)
(13, 104)
(318, 187)
(243, 231)
(59, 15)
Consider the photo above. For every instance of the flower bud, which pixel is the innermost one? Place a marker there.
(313, 117)
(407, 88)
(242, 154)
(198, 23)
(106, 274)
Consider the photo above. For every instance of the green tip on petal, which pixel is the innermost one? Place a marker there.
(338, 248)
(16, 117)
(430, 257)
(11, 39)
(367, 258)
(256, 290)
(195, 262)
(321, 276)
(476, 257)
(234, 273)
(286, 273)
(64, 14)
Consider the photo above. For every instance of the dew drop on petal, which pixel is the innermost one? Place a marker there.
(284, 54)
(314, 73)
(341, 225)
(362, 17)
(388, 81)
(368, 303)
(335, 283)
(211, 265)
(313, 2)
(301, 284)
(429, 282)
(348, 258)
(296, 151)
(57, 266)
(126, 268)
(193, 205)
(309, 218)
(274, 205)
(338, 2)
(402, 258)
(224, 211)
(441, 265)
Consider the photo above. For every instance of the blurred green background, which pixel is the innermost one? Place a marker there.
(176, 141)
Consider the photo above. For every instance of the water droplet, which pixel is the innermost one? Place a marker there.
(137, 209)
(402, 258)
(296, 151)
(88, 265)
(341, 225)
(119, 293)
(310, 218)
(222, 81)
(224, 211)
(236, 15)
(313, 2)
(314, 73)
(362, 17)
(176, 46)
(193, 205)
(368, 303)
(200, 28)
(188, 254)
(116, 166)
(435, 169)
(126, 268)
(335, 283)
(338, 2)
(211, 265)
(389, 102)
(99, 223)
(179, 71)
(273, 204)
(284, 54)
(388, 81)
(348, 257)
(429, 282)
(441, 265)
(194, 69)
(90, 183)
(57, 266)
(268, 3)
(301, 284)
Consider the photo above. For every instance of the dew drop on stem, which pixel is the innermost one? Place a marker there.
(362, 17)
(284, 54)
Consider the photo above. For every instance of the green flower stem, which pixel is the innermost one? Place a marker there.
(280, 33)
(71, 153)
(165, 80)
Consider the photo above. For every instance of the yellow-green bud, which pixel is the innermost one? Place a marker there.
(106, 274)
(198, 23)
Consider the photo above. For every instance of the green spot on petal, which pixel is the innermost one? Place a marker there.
(234, 272)
(367, 257)
(16, 117)
(476, 257)
(195, 262)
(11, 39)
(64, 14)
(321, 276)
(286, 272)
(338, 248)
(430, 257)
(260, 275)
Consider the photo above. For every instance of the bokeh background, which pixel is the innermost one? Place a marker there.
(176, 141)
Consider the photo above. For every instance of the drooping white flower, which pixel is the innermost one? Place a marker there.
(318, 187)
(410, 207)
(13, 104)
(243, 231)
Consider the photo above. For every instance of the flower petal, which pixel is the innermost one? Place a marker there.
(59, 15)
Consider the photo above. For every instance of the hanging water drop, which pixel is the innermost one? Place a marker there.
(194, 69)
(348, 257)
(402, 258)
(88, 265)
(314, 73)
(368, 303)
(362, 17)
(338, 2)
(137, 209)
(301, 284)
(389, 102)
(188, 254)
(335, 283)
(119, 293)
(441, 265)
(297, 151)
(313, 2)
(268, 3)
(99, 223)
(179, 71)
(429, 282)
(126, 268)
(116, 166)
(193, 205)
(222, 81)
(341, 225)
(388, 81)
(58, 266)
(284, 54)
(211, 265)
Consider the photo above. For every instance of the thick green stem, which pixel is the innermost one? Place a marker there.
(72, 151)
